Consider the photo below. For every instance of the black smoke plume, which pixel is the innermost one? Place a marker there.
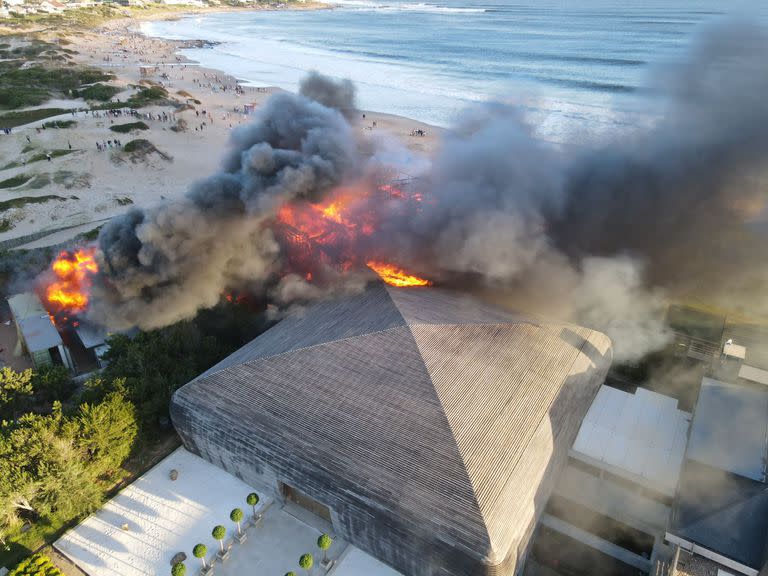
(601, 234)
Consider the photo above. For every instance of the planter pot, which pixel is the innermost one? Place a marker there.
(242, 537)
(327, 564)
(257, 520)
(207, 571)
(223, 556)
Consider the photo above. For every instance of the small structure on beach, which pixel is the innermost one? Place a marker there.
(36, 332)
(426, 427)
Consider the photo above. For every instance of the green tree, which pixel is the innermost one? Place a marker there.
(178, 569)
(306, 561)
(51, 383)
(199, 551)
(324, 542)
(219, 533)
(15, 391)
(236, 516)
(252, 500)
(291, 573)
(107, 431)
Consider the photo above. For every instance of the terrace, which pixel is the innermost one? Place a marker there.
(141, 529)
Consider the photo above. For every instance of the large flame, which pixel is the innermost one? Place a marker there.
(395, 276)
(70, 288)
(332, 232)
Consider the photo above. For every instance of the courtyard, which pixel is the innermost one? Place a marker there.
(142, 528)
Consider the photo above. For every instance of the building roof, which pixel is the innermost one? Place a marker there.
(753, 374)
(722, 499)
(735, 350)
(723, 512)
(91, 335)
(730, 429)
(437, 406)
(643, 434)
(35, 324)
(26, 305)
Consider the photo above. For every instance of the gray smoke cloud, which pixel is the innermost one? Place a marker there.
(163, 264)
(601, 235)
(337, 94)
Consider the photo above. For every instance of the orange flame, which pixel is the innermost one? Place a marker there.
(334, 232)
(71, 288)
(395, 276)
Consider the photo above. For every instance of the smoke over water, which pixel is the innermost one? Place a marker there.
(602, 236)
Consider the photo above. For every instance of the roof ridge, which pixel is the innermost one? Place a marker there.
(492, 551)
(310, 347)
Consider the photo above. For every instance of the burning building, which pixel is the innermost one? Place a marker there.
(36, 332)
(426, 427)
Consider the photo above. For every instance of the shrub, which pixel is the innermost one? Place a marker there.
(125, 128)
(37, 565)
(60, 124)
(102, 92)
(306, 561)
(178, 569)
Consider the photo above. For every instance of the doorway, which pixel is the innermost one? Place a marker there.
(299, 498)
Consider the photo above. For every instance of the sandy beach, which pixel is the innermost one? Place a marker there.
(96, 179)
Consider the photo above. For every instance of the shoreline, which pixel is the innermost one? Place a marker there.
(96, 182)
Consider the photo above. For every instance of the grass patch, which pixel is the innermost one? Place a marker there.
(125, 128)
(60, 124)
(92, 235)
(38, 181)
(54, 154)
(139, 149)
(15, 181)
(14, 119)
(6, 224)
(149, 95)
(98, 91)
(71, 180)
(28, 148)
(124, 201)
(21, 202)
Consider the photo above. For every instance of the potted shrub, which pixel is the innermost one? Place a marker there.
(237, 516)
(306, 562)
(324, 542)
(253, 500)
(200, 551)
(219, 533)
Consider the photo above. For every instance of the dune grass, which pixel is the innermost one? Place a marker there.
(15, 181)
(54, 154)
(98, 91)
(25, 200)
(59, 124)
(21, 117)
(129, 127)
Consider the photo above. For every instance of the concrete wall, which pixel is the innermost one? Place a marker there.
(392, 536)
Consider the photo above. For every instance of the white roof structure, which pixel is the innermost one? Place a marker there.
(642, 434)
(33, 321)
(165, 516)
(753, 374)
(735, 350)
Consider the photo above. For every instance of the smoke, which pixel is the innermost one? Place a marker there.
(339, 94)
(163, 264)
(602, 235)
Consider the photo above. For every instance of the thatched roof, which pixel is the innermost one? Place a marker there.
(425, 403)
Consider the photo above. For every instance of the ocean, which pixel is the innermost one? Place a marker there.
(567, 64)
